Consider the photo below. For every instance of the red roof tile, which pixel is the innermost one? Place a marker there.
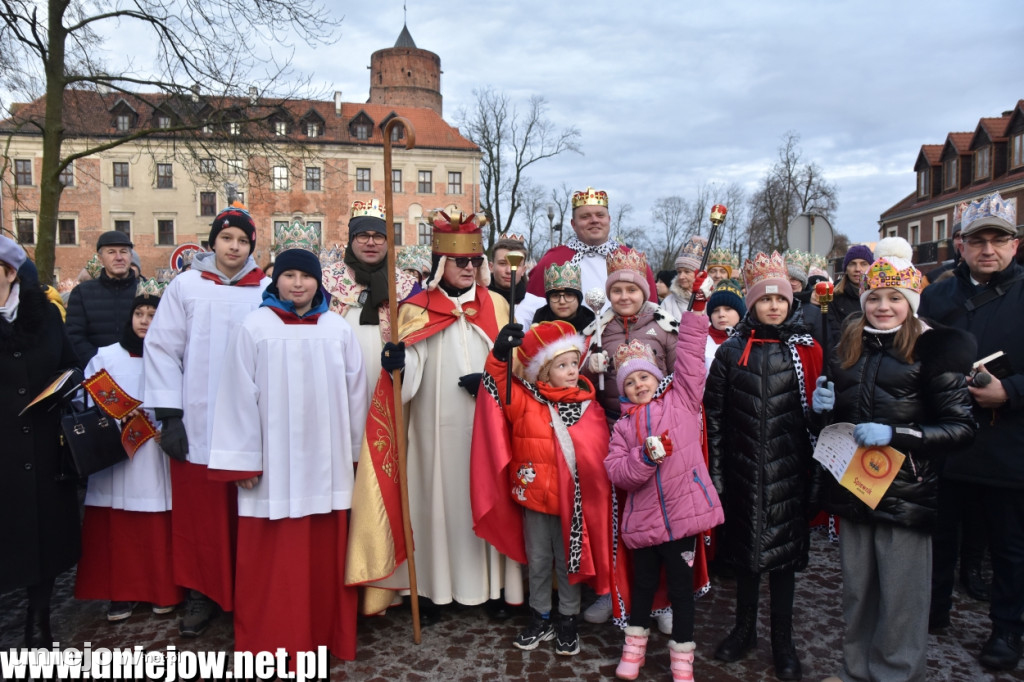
(932, 153)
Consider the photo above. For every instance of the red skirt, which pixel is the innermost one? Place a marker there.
(204, 523)
(290, 587)
(126, 556)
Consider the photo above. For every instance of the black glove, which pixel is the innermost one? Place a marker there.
(392, 357)
(174, 440)
(510, 336)
(470, 382)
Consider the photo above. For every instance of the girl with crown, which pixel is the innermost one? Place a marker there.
(126, 529)
(757, 404)
(564, 293)
(902, 384)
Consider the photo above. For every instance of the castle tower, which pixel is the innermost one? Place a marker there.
(405, 75)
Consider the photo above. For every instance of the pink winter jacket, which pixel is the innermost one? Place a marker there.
(674, 499)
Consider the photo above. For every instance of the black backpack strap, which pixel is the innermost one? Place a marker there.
(991, 294)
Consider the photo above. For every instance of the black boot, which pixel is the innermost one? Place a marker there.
(787, 664)
(37, 626)
(1002, 651)
(743, 637)
(973, 582)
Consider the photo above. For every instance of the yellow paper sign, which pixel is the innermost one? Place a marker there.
(870, 472)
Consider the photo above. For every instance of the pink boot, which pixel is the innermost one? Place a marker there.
(681, 655)
(633, 653)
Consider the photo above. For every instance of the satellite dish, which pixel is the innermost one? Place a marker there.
(812, 233)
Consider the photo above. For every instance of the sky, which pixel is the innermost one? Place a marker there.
(669, 95)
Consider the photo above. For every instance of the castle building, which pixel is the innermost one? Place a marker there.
(288, 159)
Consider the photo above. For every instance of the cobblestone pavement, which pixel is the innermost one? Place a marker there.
(467, 645)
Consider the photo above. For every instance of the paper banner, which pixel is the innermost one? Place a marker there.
(110, 397)
(135, 432)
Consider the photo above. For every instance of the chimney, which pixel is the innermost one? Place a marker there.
(195, 92)
(337, 103)
(253, 95)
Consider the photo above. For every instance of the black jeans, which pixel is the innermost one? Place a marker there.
(647, 564)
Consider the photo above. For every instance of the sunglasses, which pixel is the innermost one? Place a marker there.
(463, 261)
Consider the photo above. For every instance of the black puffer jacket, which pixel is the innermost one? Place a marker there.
(845, 303)
(97, 312)
(929, 408)
(759, 449)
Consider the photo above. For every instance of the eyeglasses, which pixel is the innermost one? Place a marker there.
(979, 242)
(561, 296)
(366, 237)
(463, 261)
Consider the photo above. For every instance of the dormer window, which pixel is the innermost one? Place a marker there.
(923, 182)
(280, 127)
(983, 163)
(123, 123)
(361, 131)
(312, 129)
(1017, 150)
(235, 128)
(163, 121)
(397, 133)
(949, 171)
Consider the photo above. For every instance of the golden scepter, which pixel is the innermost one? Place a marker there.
(515, 259)
(718, 212)
(396, 375)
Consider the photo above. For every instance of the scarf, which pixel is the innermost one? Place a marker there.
(131, 341)
(520, 289)
(581, 249)
(718, 335)
(375, 279)
(9, 310)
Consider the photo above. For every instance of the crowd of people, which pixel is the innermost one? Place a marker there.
(583, 423)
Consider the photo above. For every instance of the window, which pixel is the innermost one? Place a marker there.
(922, 182)
(124, 227)
(396, 181)
(164, 176)
(398, 234)
(163, 121)
(940, 229)
(121, 174)
(1017, 150)
(313, 179)
(26, 230)
(363, 180)
(280, 128)
(208, 203)
(949, 179)
(361, 131)
(165, 233)
(982, 163)
(207, 166)
(312, 130)
(891, 232)
(123, 123)
(66, 231)
(426, 183)
(235, 166)
(915, 234)
(207, 128)
(23, 171)
(280, 177)
(454, 182)
(280, 226)
(235, 128)
(424, 233)
(67, 176)
(397, 133)
(240, 197)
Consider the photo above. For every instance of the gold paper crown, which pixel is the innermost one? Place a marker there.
(563, 277)
(882, 275)
(634, 350)
(93, 266)
(513, 236)
(370, 208)
(590, 197)
(816, 261)
(800, 259)
(764, 267)
(413, 257)
(297, 235)
(723, 258)
(457, 234)
(150, 287)
(627, 259)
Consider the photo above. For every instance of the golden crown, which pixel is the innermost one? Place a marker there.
(590, 197)
(634, 350)
(150, 287)
(456, 233)
(563, 277)
(764, 267)
(297, 235)
(883, 275)
(513, 236)
(413, 257)
(370, 208)
(627, 259)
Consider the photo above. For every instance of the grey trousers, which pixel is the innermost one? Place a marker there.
(546, 553)
(886, 593)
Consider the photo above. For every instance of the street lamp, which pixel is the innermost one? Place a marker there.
(551, 225)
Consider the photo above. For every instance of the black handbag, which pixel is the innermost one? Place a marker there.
(92, 438)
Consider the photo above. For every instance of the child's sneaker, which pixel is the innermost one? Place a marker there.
(600, 611)
(567, 641)
(120, 610)
(539, 630)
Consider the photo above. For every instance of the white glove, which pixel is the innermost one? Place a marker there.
(598, 362)
(707, 286)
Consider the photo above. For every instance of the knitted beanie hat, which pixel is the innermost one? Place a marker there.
(633, 357)
(627, 265)
(893, 270)
(862, 251)
(235, 215)
(692, 253)
(729, 293)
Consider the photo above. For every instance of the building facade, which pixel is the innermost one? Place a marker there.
(966, 166)
(306, 159)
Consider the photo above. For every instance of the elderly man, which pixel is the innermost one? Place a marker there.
(588, 248)
(445, 335)
(986, 298)
(358, 286)
(99, 308)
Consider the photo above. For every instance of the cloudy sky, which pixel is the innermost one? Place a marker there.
(671, 94)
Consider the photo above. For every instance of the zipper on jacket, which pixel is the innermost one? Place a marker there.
(703, 487)
(759, 511)
(661, 503)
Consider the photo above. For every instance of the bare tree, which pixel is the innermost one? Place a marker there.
(211, 46)
(789, 188)
(511, 142)
(534, 214)
(732, 234)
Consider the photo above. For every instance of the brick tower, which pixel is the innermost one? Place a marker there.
(405, 75)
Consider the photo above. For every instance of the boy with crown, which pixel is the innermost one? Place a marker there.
(185, 349)
(126, 527)
(756, 404)
(444, 335)
(358, 286)
(589, 248)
